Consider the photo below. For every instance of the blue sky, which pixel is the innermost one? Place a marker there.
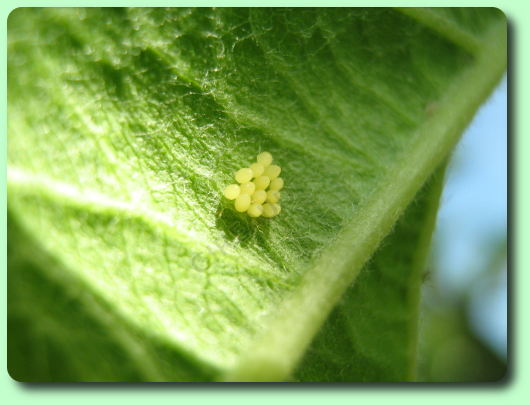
(473, 217)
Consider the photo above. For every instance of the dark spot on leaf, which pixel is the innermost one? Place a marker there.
(242, 228)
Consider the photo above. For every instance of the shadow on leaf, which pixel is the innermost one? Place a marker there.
(242, 229)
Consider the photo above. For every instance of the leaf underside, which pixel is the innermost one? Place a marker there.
(126, 124)
(371, 335)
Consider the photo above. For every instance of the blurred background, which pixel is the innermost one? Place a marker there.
(464, 320)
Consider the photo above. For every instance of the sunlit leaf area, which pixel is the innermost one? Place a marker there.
(129, 259)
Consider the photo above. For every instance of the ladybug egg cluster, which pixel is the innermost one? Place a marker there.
(258, 191)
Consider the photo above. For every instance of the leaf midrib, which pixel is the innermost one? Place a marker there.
(273, 356)
(245, 118)
(443, 26)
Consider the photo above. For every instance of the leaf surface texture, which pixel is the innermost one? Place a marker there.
(125, 125)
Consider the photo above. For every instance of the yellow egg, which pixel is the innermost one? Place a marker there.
(242, 202)
(255, 210)
(258, 191)
(247, 188)
(257, 169)
(273, 196)
(272, 171)
(265, 158)
(259, 196)
(262, 182)
(232, 191)
(276, 184)
(244, 175)
(269, 210)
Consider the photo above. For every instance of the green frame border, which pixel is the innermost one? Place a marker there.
(512, 390)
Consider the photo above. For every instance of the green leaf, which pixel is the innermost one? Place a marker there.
(126, 124)
(372, 333)
(59, 330)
